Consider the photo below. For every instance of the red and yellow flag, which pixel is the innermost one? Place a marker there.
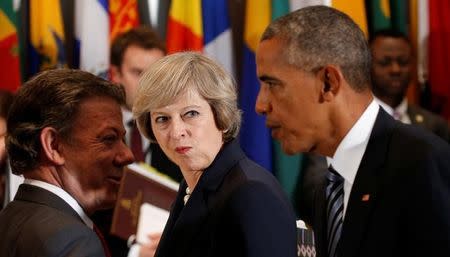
(9, 47)
(123, 15)
(184, 27)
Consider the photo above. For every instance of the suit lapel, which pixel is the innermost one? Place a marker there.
(185, 222)
(364, 191)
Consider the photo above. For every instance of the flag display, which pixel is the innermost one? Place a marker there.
(92, 42)
(9, 47)
(46, 48)
(123, 15)
(255, 137)
(185, 26)
(217, 38)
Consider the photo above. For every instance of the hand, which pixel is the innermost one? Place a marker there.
(148, 250)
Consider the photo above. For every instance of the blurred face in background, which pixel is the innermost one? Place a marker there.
(391, 68)
(187, 132)
(135, 61)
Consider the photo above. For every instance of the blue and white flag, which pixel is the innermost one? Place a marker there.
(92, 36)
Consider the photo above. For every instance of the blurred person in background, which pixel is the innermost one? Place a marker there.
(6, 99)
(131, 53)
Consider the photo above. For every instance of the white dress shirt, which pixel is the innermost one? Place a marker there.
(349, 153)
(63, 195)
(400, 113)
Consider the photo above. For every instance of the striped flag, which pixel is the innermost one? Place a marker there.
(255, 137)
(185, 26)
(92, 42)
(46, 48)
(123, 15)
(217, 38)
(9, 47)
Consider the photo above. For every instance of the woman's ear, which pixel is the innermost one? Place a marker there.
(332, 78)
(51, 145)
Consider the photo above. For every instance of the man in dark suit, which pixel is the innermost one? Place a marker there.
(65, 136)
(391, 75)
(387, 190)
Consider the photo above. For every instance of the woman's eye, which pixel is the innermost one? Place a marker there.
(191, 113)
(161, 119)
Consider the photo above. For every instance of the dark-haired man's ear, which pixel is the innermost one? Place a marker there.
(331, 77)
(51, 147)
(115, 74)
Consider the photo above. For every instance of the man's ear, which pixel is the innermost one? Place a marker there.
(115, 74)
(51, 145)
(332, 79)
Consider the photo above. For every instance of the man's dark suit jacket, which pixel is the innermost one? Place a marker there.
(405, 174)
(237, 209)
(429, 121)
(39, 223)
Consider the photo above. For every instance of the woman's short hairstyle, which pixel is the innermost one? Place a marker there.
(50, 99)
(175, 74)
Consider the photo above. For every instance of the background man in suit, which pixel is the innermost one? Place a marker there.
(393, 197)
(391, 74)
(65, 135)
(131, 53)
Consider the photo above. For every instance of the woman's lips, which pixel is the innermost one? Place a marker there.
(182, 149)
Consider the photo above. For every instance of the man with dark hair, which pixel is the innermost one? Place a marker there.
(391, 74)
(65, 136)
(387, 189)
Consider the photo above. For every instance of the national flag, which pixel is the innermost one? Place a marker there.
(92, 42)
(185, 26)
(123, 16)
(356, 9)
(9, 47)
(46, 48)
(217, 38)
(439, 56)
(255, 137)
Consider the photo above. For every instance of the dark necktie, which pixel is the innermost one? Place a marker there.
(102, 239)
(335, 210)
(136, 143)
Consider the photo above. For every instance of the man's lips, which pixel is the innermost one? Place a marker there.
(182, 149)
(115, 179)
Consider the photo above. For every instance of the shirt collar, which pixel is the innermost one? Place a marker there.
(354, 144)
(63, 195)
(401, 108)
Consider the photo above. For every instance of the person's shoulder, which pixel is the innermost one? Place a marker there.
(417, 145)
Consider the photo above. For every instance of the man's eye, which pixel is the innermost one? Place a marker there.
(191, 113)
(109, 138)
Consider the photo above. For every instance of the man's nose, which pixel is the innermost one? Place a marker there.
(262, 105)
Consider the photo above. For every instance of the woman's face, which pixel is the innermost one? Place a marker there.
(187, 132)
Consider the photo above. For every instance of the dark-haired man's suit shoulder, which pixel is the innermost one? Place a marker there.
(39, 223)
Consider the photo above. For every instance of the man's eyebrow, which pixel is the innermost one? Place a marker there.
(267, 78)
